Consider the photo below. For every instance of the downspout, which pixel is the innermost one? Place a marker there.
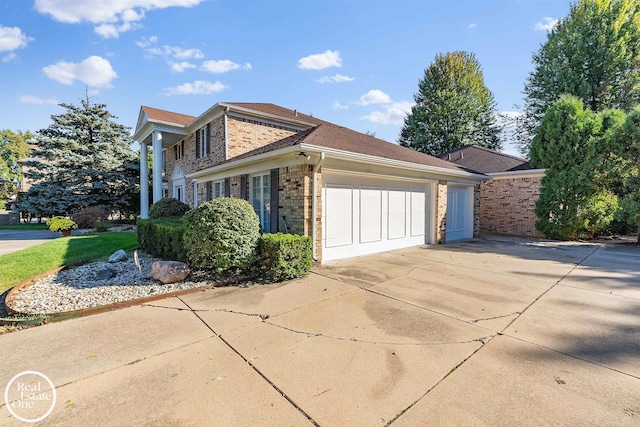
(226, 145)
(314, 205)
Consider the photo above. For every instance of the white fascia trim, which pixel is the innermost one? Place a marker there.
(365, 158)
(149, 127)
(531, 173)
(255, 113)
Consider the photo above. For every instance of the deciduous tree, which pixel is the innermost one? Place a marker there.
(453, 107)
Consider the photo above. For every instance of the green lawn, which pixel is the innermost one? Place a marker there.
(24, 227)
(21, 265)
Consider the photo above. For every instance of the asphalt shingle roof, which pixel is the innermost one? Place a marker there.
(484, 160)
(156, 114)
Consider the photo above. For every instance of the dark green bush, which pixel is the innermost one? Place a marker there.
(163, 237)
(222, 234)
(285, 256)
(103, 226)
(164, 208)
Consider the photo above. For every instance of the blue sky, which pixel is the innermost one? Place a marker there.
(352, 62)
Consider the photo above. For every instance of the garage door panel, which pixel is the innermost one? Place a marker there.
(370, 215)
(418, 213)
(397, 219)
(338, 216)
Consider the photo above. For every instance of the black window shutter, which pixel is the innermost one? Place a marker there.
(243, 187)
(227, 187)
(197, 144)
(209, 195)
(208, 138)
(274, 200)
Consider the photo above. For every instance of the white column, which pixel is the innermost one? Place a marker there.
(144, 182)
(157, 165)
(195, 193)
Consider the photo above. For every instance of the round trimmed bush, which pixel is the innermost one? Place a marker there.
(168, 207)
(222, 234)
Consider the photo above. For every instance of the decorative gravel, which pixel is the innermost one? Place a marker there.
(78, 288)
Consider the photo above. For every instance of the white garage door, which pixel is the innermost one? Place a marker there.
(459, 213)
(367, 215)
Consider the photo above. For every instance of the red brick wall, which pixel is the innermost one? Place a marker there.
(507, 206)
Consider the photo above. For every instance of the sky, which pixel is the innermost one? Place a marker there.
(355, 63)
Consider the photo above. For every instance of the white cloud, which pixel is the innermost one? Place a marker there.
(166, 51)
(9, 57)
(31, 99)
(179, 67)
(320, 61)
(110, 31)
(511, 114)
(338, 78)
(472, 25)
(374, 96)
(117, 13)
(222, 66)
(336, 105)
(94, 71)
(12, 38)
(393, 114)
(198, 87)
(146, 42)
(547, 24)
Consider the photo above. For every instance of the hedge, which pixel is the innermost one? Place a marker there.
(163, 237)
(285, 256)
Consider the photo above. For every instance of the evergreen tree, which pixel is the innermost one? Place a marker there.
(13, 147)
(628, 145)
(574, 195)
(593, 54)
(453, 108)
(82, 159)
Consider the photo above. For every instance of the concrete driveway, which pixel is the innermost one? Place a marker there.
(483, 333)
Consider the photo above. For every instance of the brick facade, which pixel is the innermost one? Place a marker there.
(507, 206)
(246, 135)
(476, 210)
(294, 199)
(441, 212)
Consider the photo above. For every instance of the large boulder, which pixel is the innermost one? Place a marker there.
(169, 271)
(118, 256)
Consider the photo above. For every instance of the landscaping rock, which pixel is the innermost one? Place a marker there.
(105, 274)
(118, 256)
(169, 271)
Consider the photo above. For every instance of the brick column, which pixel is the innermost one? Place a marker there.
(441, 212)
(476, 211)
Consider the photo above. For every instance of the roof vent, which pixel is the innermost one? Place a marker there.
(295, 113)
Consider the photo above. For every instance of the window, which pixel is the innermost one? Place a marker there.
(178, 150)
(261, 199)
(202, 142)
(218, 189)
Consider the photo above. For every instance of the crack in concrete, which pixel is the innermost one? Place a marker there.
(264, 318)
(495, 317)
(248, 362)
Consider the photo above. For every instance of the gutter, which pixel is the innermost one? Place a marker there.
(314, 205)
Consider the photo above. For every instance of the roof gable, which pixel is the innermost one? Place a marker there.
(157, 115)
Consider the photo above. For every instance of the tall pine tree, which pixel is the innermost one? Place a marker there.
(453, 108)
(82, 159)
(593, 54)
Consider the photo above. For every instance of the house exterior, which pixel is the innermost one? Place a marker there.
(508, 201)
(352, 193)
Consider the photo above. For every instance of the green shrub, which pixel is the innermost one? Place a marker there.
(164, 208)
(87, 217)
(222, 234)
(163, 237)
(60, 223)
(285, 256)
(598, 212)
(102, 225)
